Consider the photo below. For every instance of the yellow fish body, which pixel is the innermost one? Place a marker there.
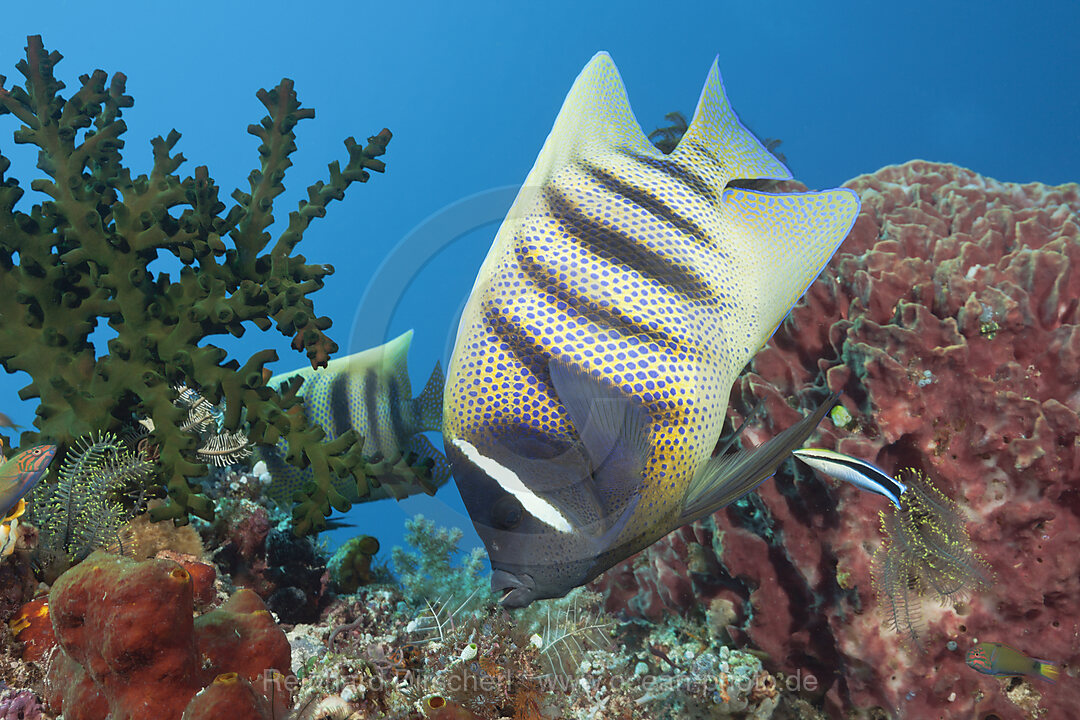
(622, 295)
(9, 529)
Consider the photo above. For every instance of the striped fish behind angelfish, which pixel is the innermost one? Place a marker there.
(368, 392)
(623, 294)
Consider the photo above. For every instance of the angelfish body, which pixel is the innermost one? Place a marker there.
(621, 297)
(993, 658)
(368, 392)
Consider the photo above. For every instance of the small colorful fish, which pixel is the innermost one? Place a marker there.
(859, 473)
(993, 658)
(18, 476)
(21, 472)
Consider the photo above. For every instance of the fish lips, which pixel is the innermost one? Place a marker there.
(515, 590)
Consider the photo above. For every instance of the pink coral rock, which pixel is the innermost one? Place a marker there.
(19, 705)
(950, 319)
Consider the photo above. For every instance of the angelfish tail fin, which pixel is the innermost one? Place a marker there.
(725, 478)
(783, 242)
(429, 403)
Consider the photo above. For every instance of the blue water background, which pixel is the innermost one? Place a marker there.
(470, 91)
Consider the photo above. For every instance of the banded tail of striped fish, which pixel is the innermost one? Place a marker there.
(622, 295)
(368, 392)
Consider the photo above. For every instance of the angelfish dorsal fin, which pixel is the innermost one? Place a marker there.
(393, 360)
(595, 119)
(428, 404)
(716, 134)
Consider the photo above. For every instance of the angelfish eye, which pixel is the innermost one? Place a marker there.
(506, 513)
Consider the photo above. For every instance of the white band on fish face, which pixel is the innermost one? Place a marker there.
(508, 480)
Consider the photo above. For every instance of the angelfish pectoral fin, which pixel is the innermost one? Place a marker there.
(737, 432)
(725, 478)
(602, 543)
(608, 538)
(614, 430)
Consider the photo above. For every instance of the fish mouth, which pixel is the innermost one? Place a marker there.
(515, 590)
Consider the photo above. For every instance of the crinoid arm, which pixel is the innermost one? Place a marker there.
(570, 629)
(896, 585)
(926, 550)
(931, 531)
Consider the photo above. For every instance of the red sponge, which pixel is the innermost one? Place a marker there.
(131, 648)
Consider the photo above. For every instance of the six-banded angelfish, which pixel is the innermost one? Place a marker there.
(623, 294)
(993, 658)
(368, 392)
(859, 473)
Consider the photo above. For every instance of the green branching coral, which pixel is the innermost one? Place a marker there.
(350, 567)
(82, 256)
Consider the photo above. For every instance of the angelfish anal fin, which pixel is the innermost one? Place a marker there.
(725, 478)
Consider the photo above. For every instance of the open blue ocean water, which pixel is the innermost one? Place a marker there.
(470, 91)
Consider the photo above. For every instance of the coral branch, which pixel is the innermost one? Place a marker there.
(82, 257)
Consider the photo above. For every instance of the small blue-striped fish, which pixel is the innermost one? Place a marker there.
(370, 393)
(21, 472)
(18, 476)
(622, 296)
(860, 473)
(994, 658)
